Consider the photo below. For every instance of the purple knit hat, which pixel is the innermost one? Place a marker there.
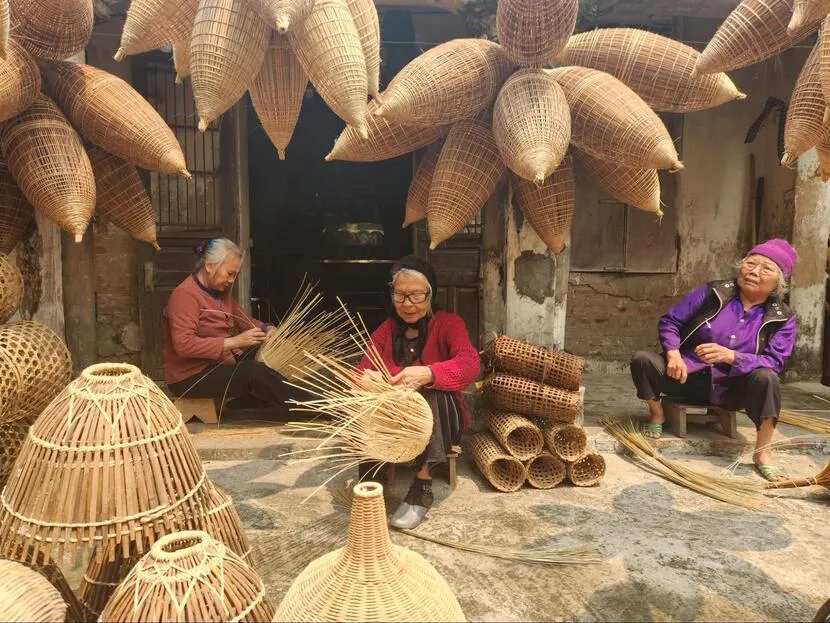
(779, 251)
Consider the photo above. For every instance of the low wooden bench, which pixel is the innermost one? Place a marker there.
(203, 409)
(452, 458)
(677, 417)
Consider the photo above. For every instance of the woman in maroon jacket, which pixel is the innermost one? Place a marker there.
(429, 351)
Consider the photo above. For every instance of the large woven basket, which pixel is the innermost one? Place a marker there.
(189, 576)
(532, 124)
(516, 434)
(418, 196)
(11, 385)
(587, 471)
(370, 579)
(227, 50)
(282, 15)
(567, 441)
(502, 470)
(540, 364)
(19, 81)
(533, 32)
(52, 29)
(151, 24)
(548, 208)
(11, 290)
(113, 443)
(25, 595)
(12, 436)
(368, 28)
(656, 68)
(16, 212)
(466, 174)
(110, 113)
(804, 127)
(385, 139)
(754, 31)
(611, 122)
(520, 395)
(221, 521)
(122, 198)
(277, 93)
(806, 12)
(452, 81)
(639, 188)
(545, 471)
(823, 44)
(48, 161)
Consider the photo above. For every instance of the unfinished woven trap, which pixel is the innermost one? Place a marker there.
(517, 394)
(50, 29)
(540, 364)
(548, 208)
(587, 471)
(804, 127)
(639, 188)
(568, 442)
(282, 15)
(16, 213)
(418, 195)
(516, 434)
(365, 16)
(656, 68)
(502, 470)
(533, 32)
(11, 290)
(189, 576)
(19, 81)
(151, 24)
(545, 471)
(369, 579)
(806, 12)
(25, 595)
(12, 436)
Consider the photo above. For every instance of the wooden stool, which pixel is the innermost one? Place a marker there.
(203, 409)
(452, 457)
(676, 417)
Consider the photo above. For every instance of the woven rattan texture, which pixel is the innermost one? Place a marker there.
(587, 471)
(804, 127)
(25, 595)
(365, 16)
(516, 434)
(824, 56)
(611, 122)
(656, 68)
(639, 188)
(505, 472)
(12, 436)
(533, 32)
(543, 365)
(181, 59)
(50, 29)
(549, 208)
(189, 576)
(11, 387)
(532, 124)
(48, 161)
(807, 11)
(452, 81)
(370, 579)
(545, 471)
(16, 212)
(466, 174)
(19, 81)
(106, 570)
(151, 24)
(222, 522)
(418, 195)
(277, 93)
(516, 394)
(282, 15)
(5, 27)
(328, 47)
(11, 290)
(568, 442)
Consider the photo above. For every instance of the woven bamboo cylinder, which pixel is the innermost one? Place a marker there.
(12, 436)
(189, 576)
(418, 195)
(25, 595)
(516, 434)
(639, 188)
(19, 81)
(282, 15)
(548, 208)
(11, 386)
(532, 124)
(48, 161)
(545, 471)
(15, 211)
(516, 394)
(11, 290)
(369, 579)
(452, 81)
(327, 44)
(466, 174)
(115, 442)
(805, 127)
(227, 49)
(806, 12)
(505, 472)
(151, 24)
(5, 27)
(656, 68)
(105, 572)
(385, 139)
(50, 29)
(587, 471)
(754, 31)
(568, 442)
(609, 121)
(44, 363)
(368, 28)
(533, 32)
(540, 364)
(277, 93)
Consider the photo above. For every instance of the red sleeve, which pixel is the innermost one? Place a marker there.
(380, 338)
(182, 313)
(462, 367)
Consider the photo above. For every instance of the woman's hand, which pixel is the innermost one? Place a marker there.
(715, 353)
(414, 377)
(246, 339)
(675, 367)
(270, 332)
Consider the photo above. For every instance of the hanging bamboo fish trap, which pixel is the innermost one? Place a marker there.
(189, 576)
(385, 139)
(11, 290)
(53, 30)
(181, 59)
(277, 93)
(502, 470)
(516, 434)
(568, 442)
(754, 31)
(418, 195)
(656, 68)
(639, 188)
(327, 44)
(19, 81)
(805, 127)
(113, 441)
(48, 161)
(587, 471)
(25, 595)
(533, 32)
(283, 15)
(450, 82)
(611, 122)
(11, 387)
(227, 49)
(369, 579)
(151, 24)
(15, 211)
(105, 572)
(540, 364)
(545, 471)
(12, 436)
(466, 174)
(5, 27)
(822, 479)
(516, 394)
(548, 208)
(806, 12)
(44, 363)
(532, 124)
(365, 16)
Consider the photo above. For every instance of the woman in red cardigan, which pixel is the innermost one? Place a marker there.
(429, 351)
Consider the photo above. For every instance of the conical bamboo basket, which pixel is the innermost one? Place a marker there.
(543, 365)
(754, 31)
(385, 139)
(532, 124)
(368, 27)
(222, 522)
(189, 576)
(19, 81)
(805, 127)
(25, 595)
(502, 470)
(277, 93)
(181, 59)
(545, 471)
(823, 44)
(516, 434)
(96, 102)
(656, 68)
(418, 195)
(370, 579)
(105, 572)
(5, 27)
(327, 44)
(227, 50)
(587, 471)
(11, 386)
(466, 174)
(548, 208)
(12, 436)
(151, 24)
(11, 290)
(639, 188)
(50, 29)
(282, 15)
(122, 197)
(450, 82)
(806, 12)
(609, 121)
(517, 394)
(115, 444)
(533, 32)
(48, 161)
(15, 211)
(567, 441)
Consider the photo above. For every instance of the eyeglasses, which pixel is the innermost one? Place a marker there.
(766, 270)
(416, 298)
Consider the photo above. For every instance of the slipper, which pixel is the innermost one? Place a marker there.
(773, 473)
(652, 430)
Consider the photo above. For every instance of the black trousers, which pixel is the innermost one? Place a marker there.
(758, 393)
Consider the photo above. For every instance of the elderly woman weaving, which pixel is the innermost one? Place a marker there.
(725, 344)
(429, 351)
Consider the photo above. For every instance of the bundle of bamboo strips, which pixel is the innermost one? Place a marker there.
(811, 423)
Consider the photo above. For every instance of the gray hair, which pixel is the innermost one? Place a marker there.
(783, 285)
(217, 251)
(415, 273)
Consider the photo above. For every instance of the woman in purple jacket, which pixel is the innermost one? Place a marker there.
(725, 344)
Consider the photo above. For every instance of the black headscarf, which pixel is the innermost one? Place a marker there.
(411, 262)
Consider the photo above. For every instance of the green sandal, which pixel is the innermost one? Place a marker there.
(773, 473)
(652, 430)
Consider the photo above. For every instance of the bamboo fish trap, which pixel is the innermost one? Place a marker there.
(502, 470)
(25, 595)
(5, 27)
(545, 471)
(11, 290)
(19, 81)
(368, 28)
(53, 30)
(656, 68)
(823, 44)
(533, 32)
(639, 188)
(151, 24)
(113, 442)
(548, 208)
(181, 59)
(543, 365)
(568, 442)
(806, 12)
(370, 579)
(189, 576)
(516, 434)
(48, 161)
(12, 436)
(822, 479)
(805, 127)
(11, 385)
(517, 394)
(222, 522)
(15, 211)
(282, 15)
(418, 195)
(587, 471)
